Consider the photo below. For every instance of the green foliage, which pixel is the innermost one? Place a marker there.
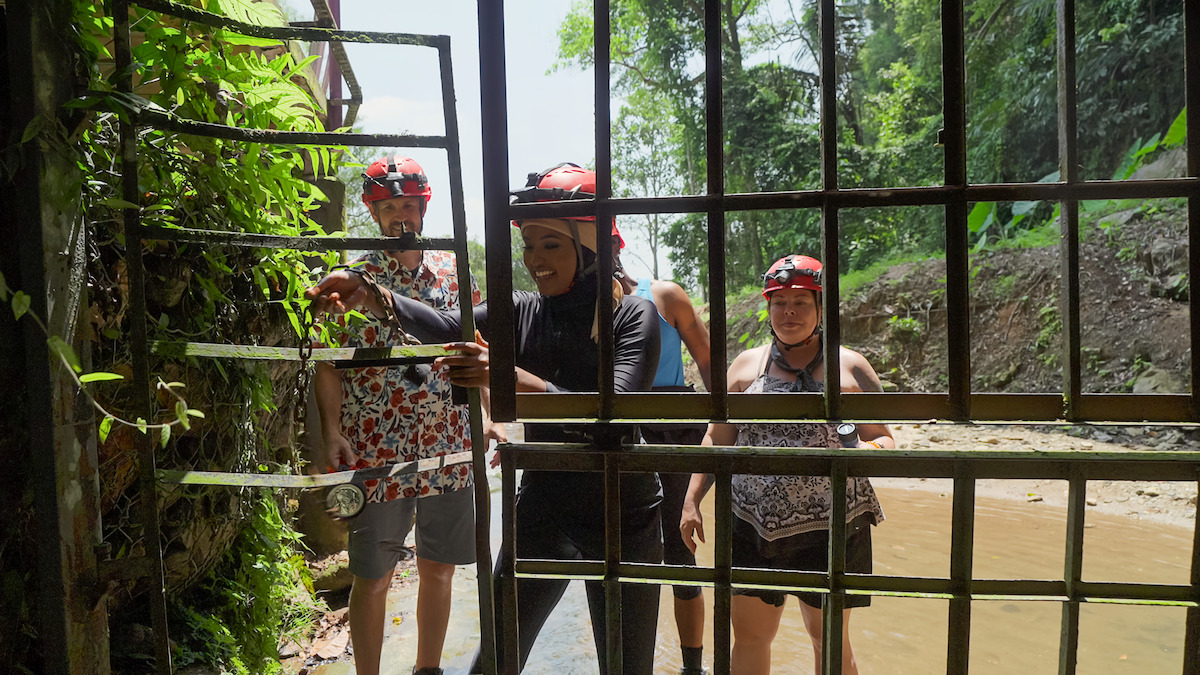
(889, 109)
(905, 329)
(1049, 335)
(260, 591)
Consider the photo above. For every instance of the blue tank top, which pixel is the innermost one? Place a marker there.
(670, 356)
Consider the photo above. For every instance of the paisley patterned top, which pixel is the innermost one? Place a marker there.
(784, 506)
(385, 416)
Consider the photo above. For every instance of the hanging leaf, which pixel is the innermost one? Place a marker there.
(100, 377)
(105, 427)
(164, 434)
(182, 416)
(20, 304)
(60, 347)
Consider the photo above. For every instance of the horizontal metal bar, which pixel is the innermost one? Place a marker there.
(317, 481)
(886, 407)
(160, 120)
(316, 243)
(866, 584)
(871, 462)
(289, 33)
(847, 198)
(349, 357)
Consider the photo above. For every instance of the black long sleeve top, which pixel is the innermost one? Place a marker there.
(553, 342)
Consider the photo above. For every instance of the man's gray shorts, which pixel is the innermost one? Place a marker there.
(445, 532)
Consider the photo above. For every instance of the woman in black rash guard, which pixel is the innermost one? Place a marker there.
(559, 514)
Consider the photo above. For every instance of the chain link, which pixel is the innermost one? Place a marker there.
(303, 377)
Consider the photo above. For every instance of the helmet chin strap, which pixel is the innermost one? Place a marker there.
(789, 346)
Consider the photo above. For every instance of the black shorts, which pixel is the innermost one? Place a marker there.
(810, 558)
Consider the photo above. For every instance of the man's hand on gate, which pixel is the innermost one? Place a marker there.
(342, 291)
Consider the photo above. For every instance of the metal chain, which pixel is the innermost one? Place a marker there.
(303, 377)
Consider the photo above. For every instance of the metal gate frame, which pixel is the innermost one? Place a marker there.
(150, 566)
(958, 404)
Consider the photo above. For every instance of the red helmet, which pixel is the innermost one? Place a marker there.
(562, 182)
(395, 177)
(793, 271)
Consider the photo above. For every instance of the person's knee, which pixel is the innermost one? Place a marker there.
(371, 587)
(431, 571)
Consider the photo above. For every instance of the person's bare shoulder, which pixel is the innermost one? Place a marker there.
(865, 377)
(672, 301)
(744, 368)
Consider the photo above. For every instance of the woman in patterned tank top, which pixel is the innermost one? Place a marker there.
(782, 522)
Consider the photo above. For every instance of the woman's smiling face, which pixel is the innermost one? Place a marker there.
(794, 313)
(550, 259)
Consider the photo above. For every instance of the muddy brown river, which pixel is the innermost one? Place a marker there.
(1014, 539)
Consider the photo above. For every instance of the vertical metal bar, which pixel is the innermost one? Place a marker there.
(835, 601)
(1068, 163)
(603, 210)
(958, 296)
(147, 484)
(715, 151)
(827, 19)
(722, 564)
(494, 107)
(479, 468)
(334, 112)
(1191, 22)
(1068, 648)
(1191, 640)
(962, 543)
(509, 649)
(612, 554)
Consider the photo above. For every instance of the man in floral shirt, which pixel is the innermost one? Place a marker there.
(375, 416)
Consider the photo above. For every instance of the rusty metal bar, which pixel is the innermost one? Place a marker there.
(604, 261)
(614, 645)
(835, 601)
(722, 565)
(316, 243)
(1191, 640)
(147, 515)
(847, 198)
(900, 407)
(827, 21)
(716, 206)
(340, 356)
(509, 648)
(479, 444)
(1068, 649)
(494, 107)
(170, 122)
(1068, 163)
(284, 33)
(1191, 21)
(962, 542)
(958, 285)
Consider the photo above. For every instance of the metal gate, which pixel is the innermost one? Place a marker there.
(959, 403)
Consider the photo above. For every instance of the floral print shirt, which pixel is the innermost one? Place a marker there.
(385, 416)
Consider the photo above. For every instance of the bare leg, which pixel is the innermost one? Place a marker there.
(433, 610)
(754, 626)
(689, 619)
(368, 601)
(812, 621)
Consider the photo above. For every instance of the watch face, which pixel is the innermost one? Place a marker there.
(345, 500)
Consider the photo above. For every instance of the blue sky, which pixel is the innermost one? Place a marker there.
(550, 115)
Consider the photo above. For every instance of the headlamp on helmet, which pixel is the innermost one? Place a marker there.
(395, 177)
(793, 271)
(563, 182)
